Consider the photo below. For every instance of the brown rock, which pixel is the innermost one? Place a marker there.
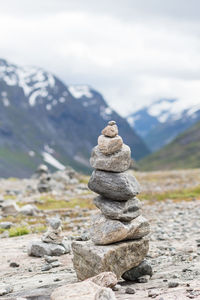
(90, 260)
(104, 231)
(116, 162)
(109, 145)
(110, 131)
(86, 290)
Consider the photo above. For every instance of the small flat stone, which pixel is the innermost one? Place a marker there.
(144, 268)
(90, 260)
(173, 284)
(114, 186)
(111, 123)
(9, 207)
(55, 264)
(104, 231)
(110, 131)
(117, 162)
(6, 225)
(14, 264)
(46, 267)
(40, 249)
(109, 145)
(118, 210)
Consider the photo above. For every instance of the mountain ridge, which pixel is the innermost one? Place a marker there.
(43, 120)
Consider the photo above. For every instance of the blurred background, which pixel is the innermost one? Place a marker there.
(68, 67)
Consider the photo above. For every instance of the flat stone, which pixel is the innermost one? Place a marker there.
(52, 236)
(115, 186)
(118, 210)
(40, 249)
(110, 131)
(144, 268)
(105, 231)
(6, 225)
(90, 260)
(85, 290)
(117, 162)
(109, 145)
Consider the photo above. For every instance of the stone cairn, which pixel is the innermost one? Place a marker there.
(119, 241)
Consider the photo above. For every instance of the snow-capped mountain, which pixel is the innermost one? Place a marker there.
(43, 120)
(159, 123)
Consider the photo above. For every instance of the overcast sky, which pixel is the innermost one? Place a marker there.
(132, 51)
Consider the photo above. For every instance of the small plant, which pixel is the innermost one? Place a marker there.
(17, 231)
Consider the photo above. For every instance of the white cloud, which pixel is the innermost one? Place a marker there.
(132, 54)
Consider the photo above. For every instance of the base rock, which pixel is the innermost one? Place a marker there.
(104, 231)
(90, 260)
(115, 186)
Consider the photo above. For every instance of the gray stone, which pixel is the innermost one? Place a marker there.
(55, 222)
(105, 231)
(10, 208)
(50, 259)
(109, 145)
(144, 268)
(46, 267)
(40, 249)
(115, 186)
(90, 260)
(117, 162)
(130, 290)
(6, 225)
(29, 210)
(118, 210)
(6, 289)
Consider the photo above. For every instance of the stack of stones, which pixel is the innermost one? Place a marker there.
(118, 233)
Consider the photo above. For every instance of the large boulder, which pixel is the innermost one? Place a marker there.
(118, 210)
(117, 162)
(105, 231)
(115, 186)
(90, 260)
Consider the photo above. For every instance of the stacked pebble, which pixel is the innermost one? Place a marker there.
(118, 234)
(120, 218)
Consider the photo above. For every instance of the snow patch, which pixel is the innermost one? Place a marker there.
(105, 112)
(48, 158)
(79, 91)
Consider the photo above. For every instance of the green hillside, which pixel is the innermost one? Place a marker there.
(182, 153)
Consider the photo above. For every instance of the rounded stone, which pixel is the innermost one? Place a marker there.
(118, 210)
(144, 268)
(117, 162)
(110, 131)
(115, 186)
(111, 123)
(109, 145)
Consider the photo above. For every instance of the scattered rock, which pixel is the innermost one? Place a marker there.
(29, 210)
(4, 290)
(50, 259)
(144, 268)
(55, 264)
(173, 284)
(6, 225)
(40, 249)
(46, 267)
(118, 210)
(114, 186)
(130, 290)
(14, 265)
(90, 260)
(109, 145)
(117, 162)
(105, 231)
(9, 207)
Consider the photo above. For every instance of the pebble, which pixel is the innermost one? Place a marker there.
(130, 290)
(46, 267)
(173, 284)
(14, 265)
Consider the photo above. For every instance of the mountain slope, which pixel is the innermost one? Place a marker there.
(43, 120)
(160, 122)
(183, 152)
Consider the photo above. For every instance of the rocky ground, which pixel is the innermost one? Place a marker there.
(170, 203)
